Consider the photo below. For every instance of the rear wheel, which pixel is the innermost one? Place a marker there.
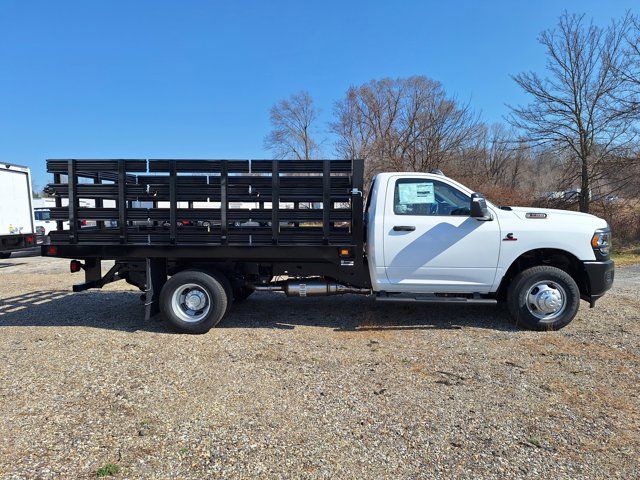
(5, 254)
(543, 298)
(194, 301)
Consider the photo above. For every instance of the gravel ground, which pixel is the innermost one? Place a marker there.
(318, 388)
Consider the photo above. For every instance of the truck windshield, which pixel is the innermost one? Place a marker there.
(42, 215)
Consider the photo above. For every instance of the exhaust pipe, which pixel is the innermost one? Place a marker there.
(311, 288)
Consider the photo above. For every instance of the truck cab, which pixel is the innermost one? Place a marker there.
(424, 238)
(43, 221)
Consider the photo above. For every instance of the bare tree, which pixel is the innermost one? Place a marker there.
(292, 122)
(496, 156)
(401, 124)
(578, 108)
(631, 68)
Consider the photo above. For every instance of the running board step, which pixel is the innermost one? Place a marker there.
(434, 299)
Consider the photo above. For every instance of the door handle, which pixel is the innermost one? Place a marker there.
(404, 228)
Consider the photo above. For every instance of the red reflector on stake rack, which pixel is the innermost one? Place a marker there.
(52, 251)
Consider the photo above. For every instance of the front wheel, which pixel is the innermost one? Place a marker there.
(194, 301)
(5, 254)
(543, 298)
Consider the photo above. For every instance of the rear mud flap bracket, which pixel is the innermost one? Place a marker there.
(156, 278)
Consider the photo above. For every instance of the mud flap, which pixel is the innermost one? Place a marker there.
(156, 278)
(92, 270)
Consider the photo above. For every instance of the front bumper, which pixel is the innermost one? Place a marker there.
(599, 279)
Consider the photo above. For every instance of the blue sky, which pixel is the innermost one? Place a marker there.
(196, 79)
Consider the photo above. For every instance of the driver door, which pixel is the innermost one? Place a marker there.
(431, 244)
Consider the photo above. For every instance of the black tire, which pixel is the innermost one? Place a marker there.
(240, 294)
(215, 286)
(5, 254)
(517, 300)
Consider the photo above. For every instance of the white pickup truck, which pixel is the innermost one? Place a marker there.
(421, 237)
(429, 235)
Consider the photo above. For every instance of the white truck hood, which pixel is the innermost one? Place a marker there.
(555, 215)
(558, 229)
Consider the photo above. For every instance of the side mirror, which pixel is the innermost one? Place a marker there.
(478, 207)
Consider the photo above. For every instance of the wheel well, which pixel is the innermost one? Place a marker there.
(544, 256)
(222, 269)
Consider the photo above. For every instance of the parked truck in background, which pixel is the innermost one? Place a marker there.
(16, 214)
(420, 237)
(42, 218)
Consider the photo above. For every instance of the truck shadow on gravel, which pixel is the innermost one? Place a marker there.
(6, 265)
(122, 310)
(355, 313)
(62, 308)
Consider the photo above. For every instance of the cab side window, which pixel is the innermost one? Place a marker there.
(419, 196)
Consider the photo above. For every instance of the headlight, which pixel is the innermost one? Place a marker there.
(601, 241)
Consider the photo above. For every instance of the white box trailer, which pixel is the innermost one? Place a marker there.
(17, 229)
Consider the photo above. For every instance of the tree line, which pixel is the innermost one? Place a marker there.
(577, 139)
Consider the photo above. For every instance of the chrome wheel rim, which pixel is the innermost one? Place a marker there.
(191, 302)
(546, 300)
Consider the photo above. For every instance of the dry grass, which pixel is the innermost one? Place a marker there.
(626, 256)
